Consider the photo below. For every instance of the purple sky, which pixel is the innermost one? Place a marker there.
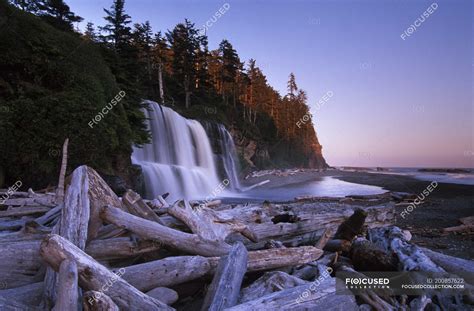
(395, 102)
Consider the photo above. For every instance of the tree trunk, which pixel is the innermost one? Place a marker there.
(187, 92)
(160, 82)
(60, 190)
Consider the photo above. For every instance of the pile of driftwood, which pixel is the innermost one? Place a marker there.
(86, 248)
(467, 226)
(278, 172)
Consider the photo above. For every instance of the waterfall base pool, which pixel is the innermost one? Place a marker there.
(327, 186)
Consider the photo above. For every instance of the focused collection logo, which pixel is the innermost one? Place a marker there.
(366, 283)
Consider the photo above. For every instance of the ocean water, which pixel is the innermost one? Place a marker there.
(464, 178)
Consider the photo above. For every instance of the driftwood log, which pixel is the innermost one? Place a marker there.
(208, 224)
(94, 276)
(68, 289)
(269, 283)
(175, 270)
(410, 256)
(190, 243)
(30, 294)
(303, 297)
(225, 286)
(164, 294)
(136, 206)
(467, 225)
(97, 301)
(451, 264)
(89, 239)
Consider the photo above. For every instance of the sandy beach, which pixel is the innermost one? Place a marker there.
(441, 209)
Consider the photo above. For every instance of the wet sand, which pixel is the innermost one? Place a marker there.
(441, 209)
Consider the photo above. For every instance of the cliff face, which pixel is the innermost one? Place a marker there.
(315, 156)
(260, 154)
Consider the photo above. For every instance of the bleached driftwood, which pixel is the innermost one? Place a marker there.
(14, 305)
(410, 256)
(467, 225)
(51, 215)
(110, 231)
(30, 294)
(317, 298)
(73, 226)
(268, 259)
(118, 248)
(74, 221)
(97, 301)
(62, 173)
(269, 283)
(166, 272)
(209, 225)
(41, 200)
(99, 195)
(23, 211)
(312, 270)
(190, 243)
(164, 294)
(324, 239)
(420, 303)
(30, 231)
(175, 270)
(301, 223)
(19, 263)
(225, 286)
(68, 290)
(94, 276)
(451, 264)
(138, 207)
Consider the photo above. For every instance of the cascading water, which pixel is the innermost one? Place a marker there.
(225, 152)
(179, 160)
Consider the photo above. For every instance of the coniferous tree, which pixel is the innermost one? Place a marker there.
(203, 79)
(143, 41)
(90, 33)
(292, 87)
(58, 14)
(32, 6)
(117, 32)
(141, 63)
(185, 44)
(159, 59)
(230, 67)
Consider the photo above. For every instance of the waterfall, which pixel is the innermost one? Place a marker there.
(179, 159)
(225, 153)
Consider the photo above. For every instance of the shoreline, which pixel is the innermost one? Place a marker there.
(440, 209)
